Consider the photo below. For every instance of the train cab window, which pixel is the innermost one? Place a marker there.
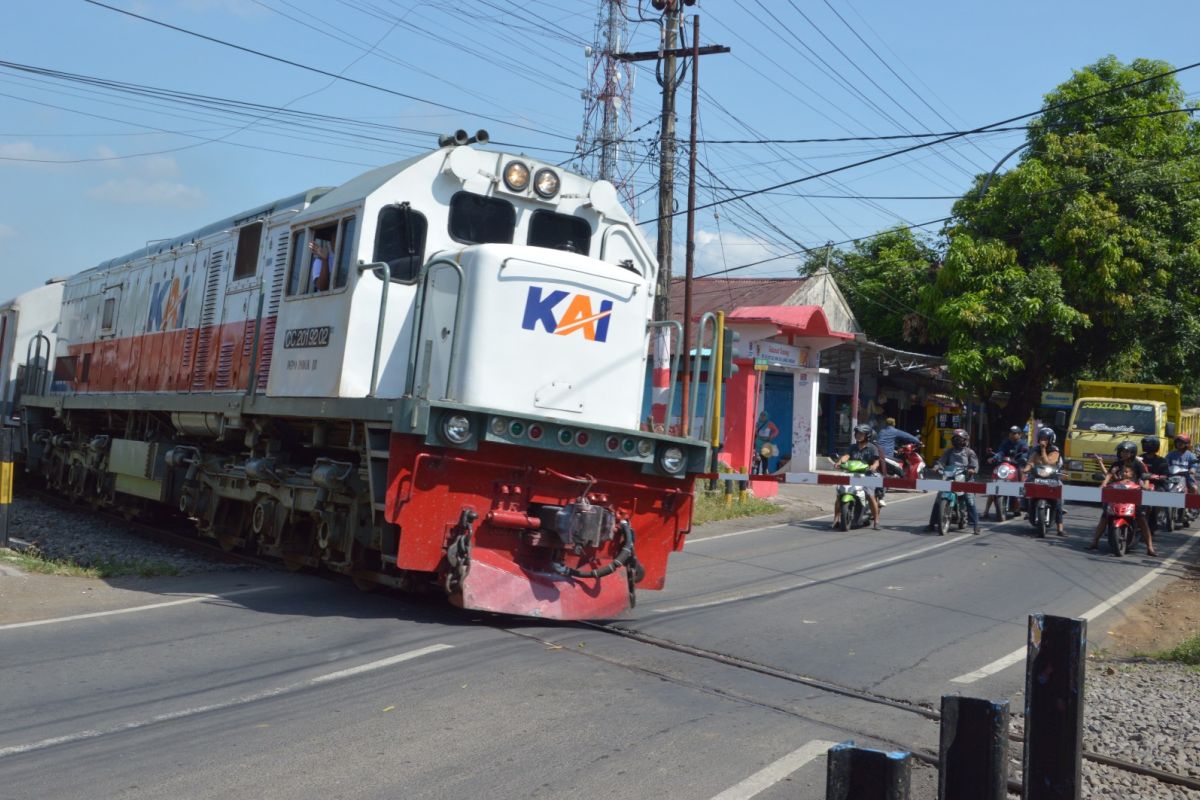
(296, 275)
(475, 219)
(400, 241)
(246, 262)
(313, 265)
(560, 232)
(345, 252)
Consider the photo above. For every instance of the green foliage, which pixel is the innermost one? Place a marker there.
(32, 560)
(1084, 259)
(1186, 652)
(882, 278)
(715, 506)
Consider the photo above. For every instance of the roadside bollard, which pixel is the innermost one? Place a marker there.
(6, 481)
(859, 773)
(973, 761)
(1054, 674)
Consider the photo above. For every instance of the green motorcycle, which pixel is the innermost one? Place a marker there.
(851, 502)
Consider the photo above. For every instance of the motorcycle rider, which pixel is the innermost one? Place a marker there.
(889, 437)
(1182, 456)
(1046, 453)
(1127, 459)
(862, 450)
(1155, 465)
(959, 457)
(1017, 450)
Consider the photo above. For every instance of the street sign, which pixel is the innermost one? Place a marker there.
(1057, 399)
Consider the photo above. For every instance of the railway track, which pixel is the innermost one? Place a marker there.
(159, 533)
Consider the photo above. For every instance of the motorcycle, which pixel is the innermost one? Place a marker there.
(906, 462)
(851, 501)
(1121, 519)
(951, 508)
(1172, 518)
(1041, 509)
(1006, 470)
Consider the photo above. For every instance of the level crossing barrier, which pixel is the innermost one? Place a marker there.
(1032, 491)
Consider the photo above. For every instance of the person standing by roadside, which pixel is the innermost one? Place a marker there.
(889, 437)
(765, 432)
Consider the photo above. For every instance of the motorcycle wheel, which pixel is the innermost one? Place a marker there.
(1170, 515)
(1043, 521)
(841, 521)
(960, 516)
(1001, 510)
(943, 522)
(857, 520)
(1117, 541)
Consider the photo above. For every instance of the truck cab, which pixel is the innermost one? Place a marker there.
(1106, 414)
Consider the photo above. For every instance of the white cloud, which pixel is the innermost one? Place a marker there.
(158, 167)
(140, 191)
(715, 252)
(28, 154)
(7, 231)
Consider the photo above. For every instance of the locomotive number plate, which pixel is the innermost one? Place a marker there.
(307, 337)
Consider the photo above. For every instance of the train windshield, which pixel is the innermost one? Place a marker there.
(475, 219)
(1106, 416)
(560, 232)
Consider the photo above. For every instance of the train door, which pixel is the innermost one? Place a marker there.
(202, 356)
(107, 369)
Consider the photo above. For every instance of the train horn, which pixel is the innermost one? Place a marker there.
(480, 137)
(459, 138)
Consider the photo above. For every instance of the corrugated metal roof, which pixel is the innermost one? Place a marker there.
(726, 294)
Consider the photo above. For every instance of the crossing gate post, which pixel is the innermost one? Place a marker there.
(6, 481)
(859, 773)
(973, 760)
(1054, 676)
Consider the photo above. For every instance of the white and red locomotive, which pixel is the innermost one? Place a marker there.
(432, 374)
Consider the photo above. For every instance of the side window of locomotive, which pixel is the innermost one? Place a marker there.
(560, 232)
(296, 275)
(345, 252)
(400, 241)
(475, 219)
(321, 258)
(246, 263)
(108, 316)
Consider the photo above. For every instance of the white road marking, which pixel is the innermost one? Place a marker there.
(692, 542)
(809, 581)
(1017, 656)
(383, 662)
(134, 609)
(95, 733)
(772, 774)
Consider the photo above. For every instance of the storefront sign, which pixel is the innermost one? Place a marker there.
(1057, 399)
(781, 355)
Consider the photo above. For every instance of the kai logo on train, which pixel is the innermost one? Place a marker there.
(576, 315)
(167, 301)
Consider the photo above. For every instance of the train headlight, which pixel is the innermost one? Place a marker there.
(671, 460)
(546, 183)
(516, 176)
(456, 428)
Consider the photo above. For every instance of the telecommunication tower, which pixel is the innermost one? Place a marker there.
(603, 150)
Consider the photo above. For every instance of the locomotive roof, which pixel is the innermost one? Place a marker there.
(300, 199)
(359, 187)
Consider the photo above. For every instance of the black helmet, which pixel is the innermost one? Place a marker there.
(1150, 444)
(1047, 434)
(959, 438)
(865, 430)
(1126, 448)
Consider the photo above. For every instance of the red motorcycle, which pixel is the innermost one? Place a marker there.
(906, 462)
(1121, 518)
(1005, 470)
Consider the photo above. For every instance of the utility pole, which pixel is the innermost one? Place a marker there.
(690, 258)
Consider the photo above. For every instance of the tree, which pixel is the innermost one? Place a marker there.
(882, 278)
(1084, 260)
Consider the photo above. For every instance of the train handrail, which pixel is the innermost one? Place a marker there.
(387, 281)
(33, 373)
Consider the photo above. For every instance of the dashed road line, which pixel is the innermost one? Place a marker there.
(773, 773)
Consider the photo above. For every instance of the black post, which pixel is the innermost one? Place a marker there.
(973, 763)
(1054, 675)
(859, 773)
(6, 481)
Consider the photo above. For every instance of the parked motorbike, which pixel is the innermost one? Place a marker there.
(1121, 519)
(906, 462)
(1006, 470)
(1041, 509)
(855, 509)
(951, 508)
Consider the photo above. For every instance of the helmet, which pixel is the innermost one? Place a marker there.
(1047, 434)
(1126, 448)
(959, 438)
(865, 430)
(1183, 437)
(1150, 444)
(1014, 429)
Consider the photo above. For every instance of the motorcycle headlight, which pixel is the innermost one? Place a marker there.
(671, 460)
(456, 428)
(545, 183)
(1044, 471)
(516, 176)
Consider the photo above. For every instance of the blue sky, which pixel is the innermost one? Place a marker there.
(89, 172)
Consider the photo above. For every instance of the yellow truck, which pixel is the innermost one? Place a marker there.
(1106, 414)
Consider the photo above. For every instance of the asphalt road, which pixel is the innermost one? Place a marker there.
(293, 686)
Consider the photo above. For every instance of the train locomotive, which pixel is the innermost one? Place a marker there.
(429, 376)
